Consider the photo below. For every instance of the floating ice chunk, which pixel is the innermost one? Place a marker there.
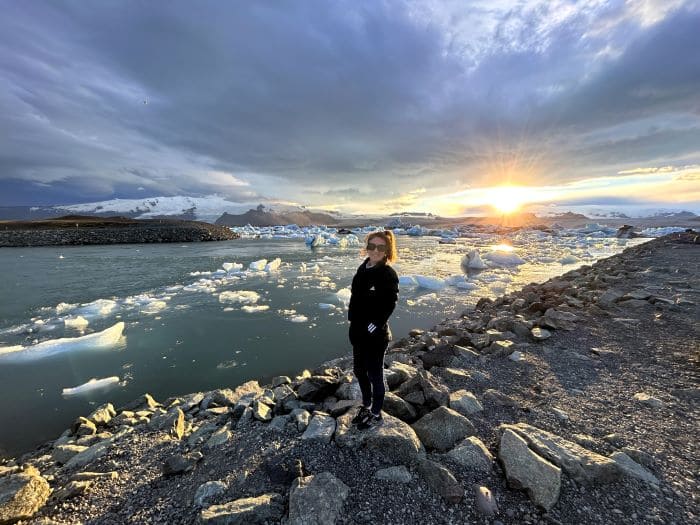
(98, 341)
(273, 265)
(407, 280)
(499, 258)
(99, 308)
(232, 267)
(460, 281)
(658, 232)
(423, 299)
(299, 319)
(62, 308)
(343, 295)
(315, 240)
(302, 267)
(239, 296)
(78, 322)
(569, 259)
(255, 308)
(93, 384)
(326, 306)
(196, 274)
(431, 283)
(154, 307)
(473, 261)
(257, 266)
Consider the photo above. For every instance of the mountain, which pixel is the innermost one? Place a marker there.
(262, 216)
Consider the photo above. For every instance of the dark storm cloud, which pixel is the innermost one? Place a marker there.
(330, 96)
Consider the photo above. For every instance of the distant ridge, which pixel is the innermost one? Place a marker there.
(264, 217)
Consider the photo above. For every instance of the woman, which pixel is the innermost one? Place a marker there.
(375, 290)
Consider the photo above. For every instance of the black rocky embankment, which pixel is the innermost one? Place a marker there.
(574, 401)
(80, 230)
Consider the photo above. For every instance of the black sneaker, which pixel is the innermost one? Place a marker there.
(370, 421)
(361, 414)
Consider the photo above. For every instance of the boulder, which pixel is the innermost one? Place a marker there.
(218, 438)
(180, 464)
(540, 334)
(399, 408)
(261, 411)
(441, 480)
(317, 499)
(87, 456)
(146, 401)
(442, 428)
(441, 355)
(63, 453)
(646, 399)
(465, 403)
(201, 434)
(315, 388)
(22, 494)
(485, 502)
(402, 373)
(301, 418)
(525, 469)
(633, 469)
(321, 428)
(245, 511)
(434, 392)
(70, 490)
(499, 398)
(399, 474)
(581, 464)
(473, 454)
(103, 414)
(172, 422)
(559, 319)
(393, 441)
(280, 380)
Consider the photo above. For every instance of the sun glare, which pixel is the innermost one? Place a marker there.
(506, 199)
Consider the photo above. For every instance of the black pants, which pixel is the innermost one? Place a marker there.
(368, 365)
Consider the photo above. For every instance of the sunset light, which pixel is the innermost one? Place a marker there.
(506, 199)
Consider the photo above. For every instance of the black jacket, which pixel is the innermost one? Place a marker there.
(373, 299)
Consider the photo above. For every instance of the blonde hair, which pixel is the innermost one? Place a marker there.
(391, 253)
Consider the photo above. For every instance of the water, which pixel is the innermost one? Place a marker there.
(180, 337)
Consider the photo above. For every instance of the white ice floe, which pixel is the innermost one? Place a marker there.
(255, 308)
(431, 283)
(105, 339)
(460, 281)
(407, 280)
(273, 265)
(62, 308)
(93, 384)
(327, 306)
(239, 296)
(569, 259)
(258, 266)
(473, 261)
(659, 232)
(232, 267)
(154, 307)
(78, 322)
(98, 308)
(500, 258)
(343, 295)
(423, 299)
(299, 318)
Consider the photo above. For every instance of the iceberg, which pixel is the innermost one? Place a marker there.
(273, 265)
(99, 308)
(569, 259)
(473, 261)
(98, 341)
(242, 296)
(258, 266)
(231, 267)
(499, 258)
(298, 318)
(255, 308)
(343, 295)
(78, 322)
(93, 384)
(407, 280)
(431, 283)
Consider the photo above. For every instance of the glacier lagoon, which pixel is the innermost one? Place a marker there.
(172, 319)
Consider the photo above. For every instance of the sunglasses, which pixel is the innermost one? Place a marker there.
(379, 247)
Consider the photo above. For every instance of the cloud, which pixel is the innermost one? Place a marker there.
(306, 101)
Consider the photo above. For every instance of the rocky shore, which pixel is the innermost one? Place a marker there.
(79, 230)
(574, 401)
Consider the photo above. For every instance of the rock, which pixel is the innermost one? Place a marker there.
(280, 380)
(63, 453)
(125, 417)
(349, 390)
(208, 491)
(584, 440)
(525, 469)
(341, 406)
(218, 438)
(441, 480)
(540, 334)
(399, 408)
(22, 494)
(172, 422)
(559, 319)
(84, 427)
(465, 354)
(465, 403)
(103, 414)
(434, 392)
(455, 375)
(315, 388)
(321, 428)
(608, 298)
(393, 441)
(634, 469)
(89, 476)
(279, 422)
(579, 463)
(641, 457)
(88, 455)
(499, 398)
(472, 453)
(633, 303)
(146, 401)
(441, 355)
(191, 401)
(399, 474)
(560, 414)
(403, 372)
(245, 511)
(282, 471)
(261, 411)
(180, 464)
(245, 419)
(201, 434)
(516, 356)
(500, 348)
(317, 499)
(70, 490)
(648, 400)
(442, 428)
(485, 502)
(301, 418)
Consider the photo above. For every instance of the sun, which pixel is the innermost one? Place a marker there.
(506, 199)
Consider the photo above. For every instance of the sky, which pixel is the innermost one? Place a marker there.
(356, 106)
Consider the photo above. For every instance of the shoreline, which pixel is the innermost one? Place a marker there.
(79, 230)
(481, 351)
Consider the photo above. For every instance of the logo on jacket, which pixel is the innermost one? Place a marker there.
(371, 288)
